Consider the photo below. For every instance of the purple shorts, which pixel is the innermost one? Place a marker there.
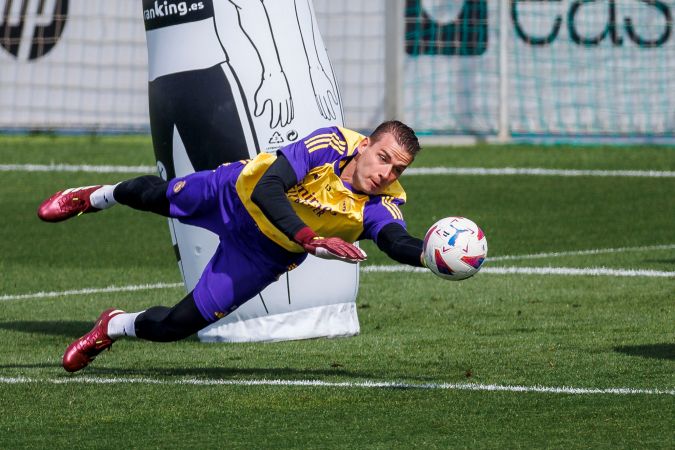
(246, 261)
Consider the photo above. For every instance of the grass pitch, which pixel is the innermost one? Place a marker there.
(552, 331)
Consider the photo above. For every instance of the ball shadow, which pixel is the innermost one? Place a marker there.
(658, 351)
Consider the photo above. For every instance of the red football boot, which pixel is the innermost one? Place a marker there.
(66, 204)
(83, 350)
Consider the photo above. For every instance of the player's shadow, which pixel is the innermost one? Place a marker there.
(218, 373)
(206, 373)
(67, 328)
(74, 329)
(659, 351)
(71, 329)
(660, 261)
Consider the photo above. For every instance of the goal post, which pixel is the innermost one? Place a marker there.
(394, 59)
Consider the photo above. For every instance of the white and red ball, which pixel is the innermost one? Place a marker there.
(455, 248)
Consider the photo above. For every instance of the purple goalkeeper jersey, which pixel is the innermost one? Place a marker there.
(252, 253)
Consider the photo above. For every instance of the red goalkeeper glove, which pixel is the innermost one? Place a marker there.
(328, 248)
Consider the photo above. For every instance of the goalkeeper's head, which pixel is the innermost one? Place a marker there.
(383, 156)
(402, 134)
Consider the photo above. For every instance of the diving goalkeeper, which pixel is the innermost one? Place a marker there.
(317, 195)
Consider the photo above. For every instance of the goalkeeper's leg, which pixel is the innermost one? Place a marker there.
(147, 193)
(160, 323)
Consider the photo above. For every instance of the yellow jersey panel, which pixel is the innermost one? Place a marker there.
(320, 198)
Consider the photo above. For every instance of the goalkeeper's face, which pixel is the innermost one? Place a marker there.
(379, 163)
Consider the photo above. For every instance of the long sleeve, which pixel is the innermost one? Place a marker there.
(395, 241)
(269, 195)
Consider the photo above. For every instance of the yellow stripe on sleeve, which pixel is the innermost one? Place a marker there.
(388, 203)
(318, 142)
(384, 203)
(338, 144)
(332, 141)
(311, 140)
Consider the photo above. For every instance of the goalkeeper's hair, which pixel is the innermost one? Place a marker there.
(403, 134)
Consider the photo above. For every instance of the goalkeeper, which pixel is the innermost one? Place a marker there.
(317, 195)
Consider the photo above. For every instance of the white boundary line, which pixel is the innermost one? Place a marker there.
(76, 168)
(569, 271)
(562, 271)
(345, 384)
(131, 288)
(591, 271)
(596, 251)
(598, 271)
(536, 171)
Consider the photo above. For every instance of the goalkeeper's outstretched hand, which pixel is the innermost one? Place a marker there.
(329, 248)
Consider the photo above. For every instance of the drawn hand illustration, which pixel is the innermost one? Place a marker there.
(274, 91)
(324, 93)
(324, 84)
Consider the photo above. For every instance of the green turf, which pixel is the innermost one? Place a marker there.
(48, 149)
(528, 330)
(552, 156)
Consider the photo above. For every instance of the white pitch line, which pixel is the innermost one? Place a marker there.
(537, 172)
(76, 168)
(411, 171)
(569, 271)
(342, 384)
(109, 289)
(592, 271)
(596, 251)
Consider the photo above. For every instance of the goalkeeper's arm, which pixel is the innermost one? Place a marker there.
(269, 195)
(395, 241)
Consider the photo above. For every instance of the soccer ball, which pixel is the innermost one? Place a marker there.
(455, 248)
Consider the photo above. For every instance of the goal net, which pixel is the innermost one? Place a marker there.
(590, 68)
(528, 67)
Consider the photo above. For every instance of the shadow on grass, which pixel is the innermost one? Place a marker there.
(659, 351)
(69, 328)
(75, 329)
(661, 261)
(207, 373)
(230, 372)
